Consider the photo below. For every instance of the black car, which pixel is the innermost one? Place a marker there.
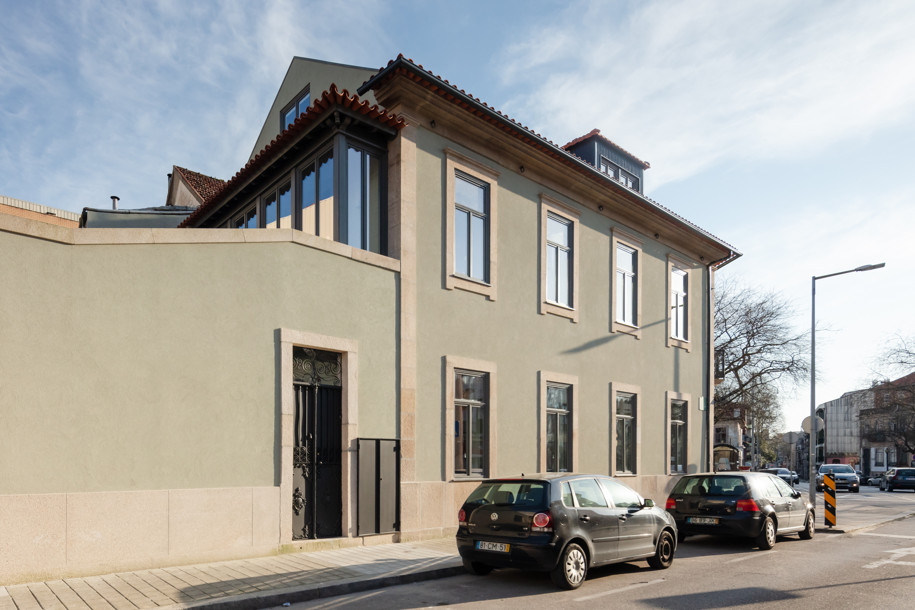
(753, 505)
(562, 524)
(898, 478)
(843, 475)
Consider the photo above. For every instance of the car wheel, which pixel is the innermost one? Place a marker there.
(664, 555)
(809, 528)
(681, 535)
(888, 488)
(856, 490)
(766, 538)
(572, 568)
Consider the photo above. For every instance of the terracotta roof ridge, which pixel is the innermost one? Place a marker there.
(330, 98)
(595, 133)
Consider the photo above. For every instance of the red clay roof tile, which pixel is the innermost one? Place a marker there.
(205, 186)
(595, 133)
(331, 98)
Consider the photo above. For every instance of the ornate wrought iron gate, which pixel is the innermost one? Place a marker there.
(317, 510)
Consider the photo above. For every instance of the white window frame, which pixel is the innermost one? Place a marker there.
(552, 207)
(456, 162)
(619, 238)
(636, 391)
(668, 421)
(679, 265)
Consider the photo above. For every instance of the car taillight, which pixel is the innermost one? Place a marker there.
(542, 522)
(671, 504)
(747, 506)
(462, 517)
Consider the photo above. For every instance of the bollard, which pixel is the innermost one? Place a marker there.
(829, 499)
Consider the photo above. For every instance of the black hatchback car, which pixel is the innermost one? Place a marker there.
(562, 524)
(754, 505)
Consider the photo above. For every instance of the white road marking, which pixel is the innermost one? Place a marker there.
(888, 535)
(744, 558)
(897, 555)
(620, 590)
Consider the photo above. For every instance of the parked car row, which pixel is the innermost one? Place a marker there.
(898, 478)
(565, 524)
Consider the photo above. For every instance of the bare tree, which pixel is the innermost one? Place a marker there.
(900, 354)
(892, 418)
(758, 352)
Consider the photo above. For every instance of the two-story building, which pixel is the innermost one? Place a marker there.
(390, 301)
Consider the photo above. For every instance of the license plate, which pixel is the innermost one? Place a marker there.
(702, 520)
(499, 547)
(908, 478)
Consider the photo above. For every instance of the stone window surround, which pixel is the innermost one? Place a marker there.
(676, 262)
(668, 401)
(480, 366)
(543, 379)
(455, 161)
(549, 205)
(637, 391)
(618, 236)
(349, 349)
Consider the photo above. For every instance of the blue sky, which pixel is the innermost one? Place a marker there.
(784, 128)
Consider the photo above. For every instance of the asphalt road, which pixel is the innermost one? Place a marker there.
(872, 567)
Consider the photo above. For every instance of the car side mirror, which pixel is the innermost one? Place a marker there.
(796, 494)
(649, 503)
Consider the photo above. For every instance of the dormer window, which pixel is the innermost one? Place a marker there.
(293, 109)
(619, 174)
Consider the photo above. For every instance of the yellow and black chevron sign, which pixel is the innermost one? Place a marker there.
(829, 499)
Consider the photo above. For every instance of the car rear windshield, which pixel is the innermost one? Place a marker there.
(713, 485)
(511, 493)
(905, 472)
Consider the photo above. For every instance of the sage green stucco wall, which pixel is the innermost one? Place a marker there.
(319, 75)
(511, 332)
(154, 366)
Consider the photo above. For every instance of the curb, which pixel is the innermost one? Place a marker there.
(270, 599)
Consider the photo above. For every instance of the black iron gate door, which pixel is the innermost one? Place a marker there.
(317, 455)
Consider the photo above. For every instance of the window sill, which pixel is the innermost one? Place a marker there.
(622, 475)
(557, 309)
(678, 343)
(460, 478)
(627, 329)
(463, 282)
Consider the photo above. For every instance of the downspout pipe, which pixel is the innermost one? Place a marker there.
(710, 363)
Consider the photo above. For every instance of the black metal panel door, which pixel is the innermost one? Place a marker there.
(316, 466)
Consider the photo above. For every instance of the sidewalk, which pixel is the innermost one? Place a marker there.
(262, 582)
(266, 582)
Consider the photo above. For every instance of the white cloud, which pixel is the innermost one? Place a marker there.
(100, 99)
(687, 84)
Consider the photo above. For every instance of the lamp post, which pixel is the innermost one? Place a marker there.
(811, 494)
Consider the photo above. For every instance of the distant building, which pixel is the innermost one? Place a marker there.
(886, 424)
(41, 213)
(731, 443)
(863, 427)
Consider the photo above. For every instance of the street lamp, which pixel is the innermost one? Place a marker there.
(811, 493)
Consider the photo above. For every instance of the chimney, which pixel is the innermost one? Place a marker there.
(114, 202)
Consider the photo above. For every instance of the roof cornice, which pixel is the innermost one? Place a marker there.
(401, 67)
